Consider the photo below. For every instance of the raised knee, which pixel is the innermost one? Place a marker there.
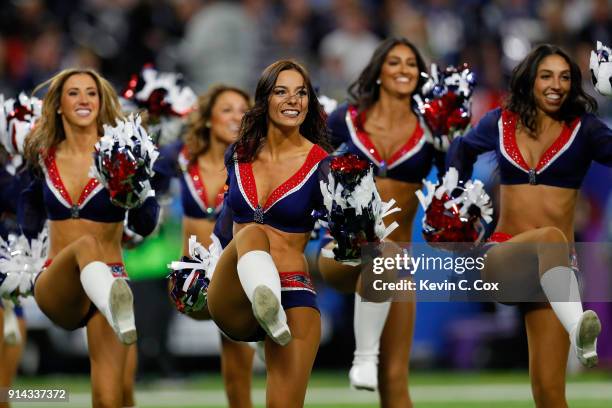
(252, 237)
(552, 234)
(88, 242)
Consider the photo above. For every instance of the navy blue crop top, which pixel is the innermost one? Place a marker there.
(289, 207)
(47, 198)
(173, 162)
(411, 163)
(563, 164)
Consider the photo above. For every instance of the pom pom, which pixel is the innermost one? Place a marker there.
(329, 105)
(446, 104)
(354, 209)
(453, 213)
(20, 262)
(191, 275)
(123, 162)
(160, 93)
(17, 119)
(601, 69)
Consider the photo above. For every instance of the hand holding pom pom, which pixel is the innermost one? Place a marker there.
(446, 104)
(123, 162)
(17, 119)
(601, 69)
(453, 213)
(354, 208)
(191, 276)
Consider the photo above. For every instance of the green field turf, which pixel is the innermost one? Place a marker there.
(330, 390)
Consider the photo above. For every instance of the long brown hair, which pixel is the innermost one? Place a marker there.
(49, 130)
(254, 127)
(364, 92)
(197, 138)
(522, 101)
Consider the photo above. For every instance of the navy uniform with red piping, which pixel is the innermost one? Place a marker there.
(563, 164)
(411, 163)
(173, 162)
(289, 208)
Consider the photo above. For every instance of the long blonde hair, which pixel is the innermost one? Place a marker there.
(49, 130)
(197, 138)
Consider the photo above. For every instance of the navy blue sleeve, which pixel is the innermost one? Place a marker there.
(166, 167)
(600, 140)
(464, 150)
(336, 122)
(9, 191)
(31, 214)
(224, 225)
(143, 220)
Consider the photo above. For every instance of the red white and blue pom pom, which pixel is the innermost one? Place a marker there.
(453, 213)
(446, 103)
(191, 275)
(601, 69)
(123, 162)
(17, 119)
(354, 209)
(160, 93)
(20, 262)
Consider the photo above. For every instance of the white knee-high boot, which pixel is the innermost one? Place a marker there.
(369, 321)
(113, 298)
(261, 283)
(561, 288)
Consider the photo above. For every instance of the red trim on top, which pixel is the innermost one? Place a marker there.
(56, 179)
(363, 136)
(509, 120)
(198, 183)
(499, 237)
(247, 178)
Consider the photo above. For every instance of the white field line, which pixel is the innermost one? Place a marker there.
(339, 395)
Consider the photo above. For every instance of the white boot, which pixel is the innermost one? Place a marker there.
(113, 298)
(584, 338)
(12, 335)
(261, 283)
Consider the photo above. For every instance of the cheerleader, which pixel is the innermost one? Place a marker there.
(545, 139)
(198, 162)
(84, 282)
(381, 125)
(261, 288)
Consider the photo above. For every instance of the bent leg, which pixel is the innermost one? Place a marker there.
(107, 357)
(289, 367)
(236, 367)
(58, 290)
(548, 350)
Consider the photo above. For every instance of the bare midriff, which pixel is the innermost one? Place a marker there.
(63, 233)
(405, 197)
(525, 207)
(286, 248)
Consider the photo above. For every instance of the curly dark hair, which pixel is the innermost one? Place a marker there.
(254, 126)
(364, 92)
(197, 138)
(521, 100)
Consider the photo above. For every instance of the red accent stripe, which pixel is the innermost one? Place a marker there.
(247, 178)
(499, 237)
(299, 279)
(509, 121)
(56, 179)
(363, 136)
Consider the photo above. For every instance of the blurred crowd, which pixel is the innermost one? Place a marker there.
(231, 41)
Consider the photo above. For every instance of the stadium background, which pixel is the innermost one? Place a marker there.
(231, 42)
